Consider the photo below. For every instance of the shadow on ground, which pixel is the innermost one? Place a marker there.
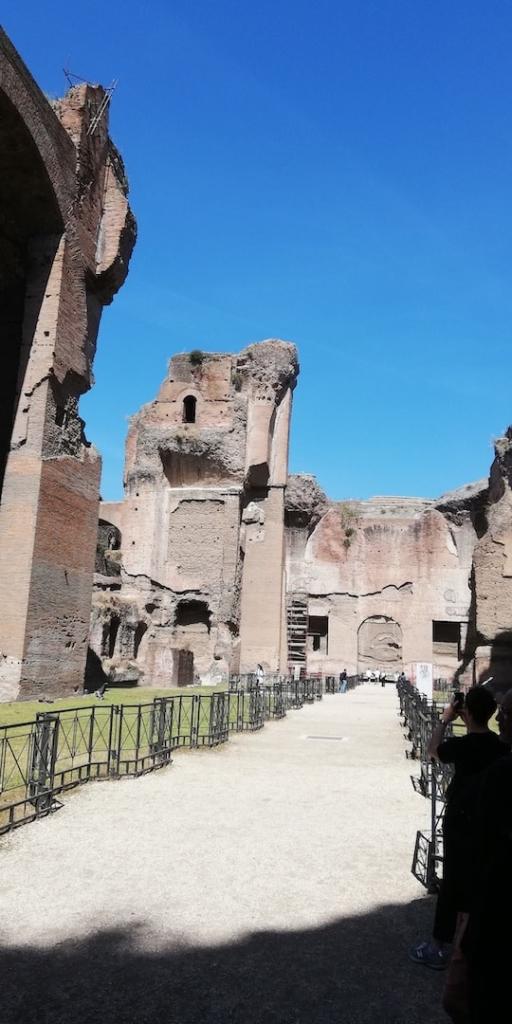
(354, 971)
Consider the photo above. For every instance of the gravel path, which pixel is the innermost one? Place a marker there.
(266, 881)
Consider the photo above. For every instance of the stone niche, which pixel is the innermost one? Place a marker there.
(379, 644)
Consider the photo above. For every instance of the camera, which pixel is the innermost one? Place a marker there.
(458, 700)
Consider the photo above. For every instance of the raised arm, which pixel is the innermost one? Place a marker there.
(449, 715)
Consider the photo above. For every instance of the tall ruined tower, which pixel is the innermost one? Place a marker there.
(202, 522)
(66, 237)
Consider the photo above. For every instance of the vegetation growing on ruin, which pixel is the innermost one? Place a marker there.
(196, 357)
(348, 520)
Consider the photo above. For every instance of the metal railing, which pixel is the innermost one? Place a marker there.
(63, 748)
(420, 716)
(333, 685)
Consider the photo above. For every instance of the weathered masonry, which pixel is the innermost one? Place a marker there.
(384, 583)
(217, 560)
(66, 236)
(199, 568)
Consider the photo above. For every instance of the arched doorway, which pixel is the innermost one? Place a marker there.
(379, 644)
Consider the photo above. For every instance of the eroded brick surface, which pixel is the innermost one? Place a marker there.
(67, 237)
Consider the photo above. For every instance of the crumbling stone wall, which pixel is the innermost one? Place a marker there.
(380, 572)
(67, 236)
(225, 556)
(491, 645)
(202, 521)
(228, 558)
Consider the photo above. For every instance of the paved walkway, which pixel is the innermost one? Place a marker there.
(267, 881)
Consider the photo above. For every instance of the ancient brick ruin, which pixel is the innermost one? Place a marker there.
(201, 528)
(218, 560)
(66, 238)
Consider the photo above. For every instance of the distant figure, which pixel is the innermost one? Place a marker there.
(100, 693)
(402, 678)
(382, 677)
(343, 681)
(260, 674)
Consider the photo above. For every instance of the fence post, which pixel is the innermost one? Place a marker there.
(432, 851)
(194, 720)
(161, 723)
(114, 740)
(44, 753)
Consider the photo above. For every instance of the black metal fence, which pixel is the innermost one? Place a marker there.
(333, 684)
(420, 716)
(63, 748)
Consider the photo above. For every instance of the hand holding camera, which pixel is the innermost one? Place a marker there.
(455, 707)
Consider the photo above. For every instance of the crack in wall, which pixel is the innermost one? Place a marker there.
(407, 588)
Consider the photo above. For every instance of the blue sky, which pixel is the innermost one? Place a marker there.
(337, 173)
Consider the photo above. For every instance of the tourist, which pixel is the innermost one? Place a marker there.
(485, 940)
(470, 755)
(343, 681)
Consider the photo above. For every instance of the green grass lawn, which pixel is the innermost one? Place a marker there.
(26, 710)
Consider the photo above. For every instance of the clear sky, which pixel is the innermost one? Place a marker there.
(334, 172)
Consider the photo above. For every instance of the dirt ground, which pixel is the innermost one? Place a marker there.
(266, 881)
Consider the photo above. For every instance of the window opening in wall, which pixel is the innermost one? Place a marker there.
(109, 636)
(105, 633)
(189, 409)
(446, 637)
(445, 632)
(318, 633)
(193, 613)
(139, 633)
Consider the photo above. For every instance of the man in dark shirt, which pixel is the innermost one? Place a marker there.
(486, 942)
(470, 755)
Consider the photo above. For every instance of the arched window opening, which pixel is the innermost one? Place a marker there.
(105, 633)
(109, 636)
(139, 633)
(189, 409)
